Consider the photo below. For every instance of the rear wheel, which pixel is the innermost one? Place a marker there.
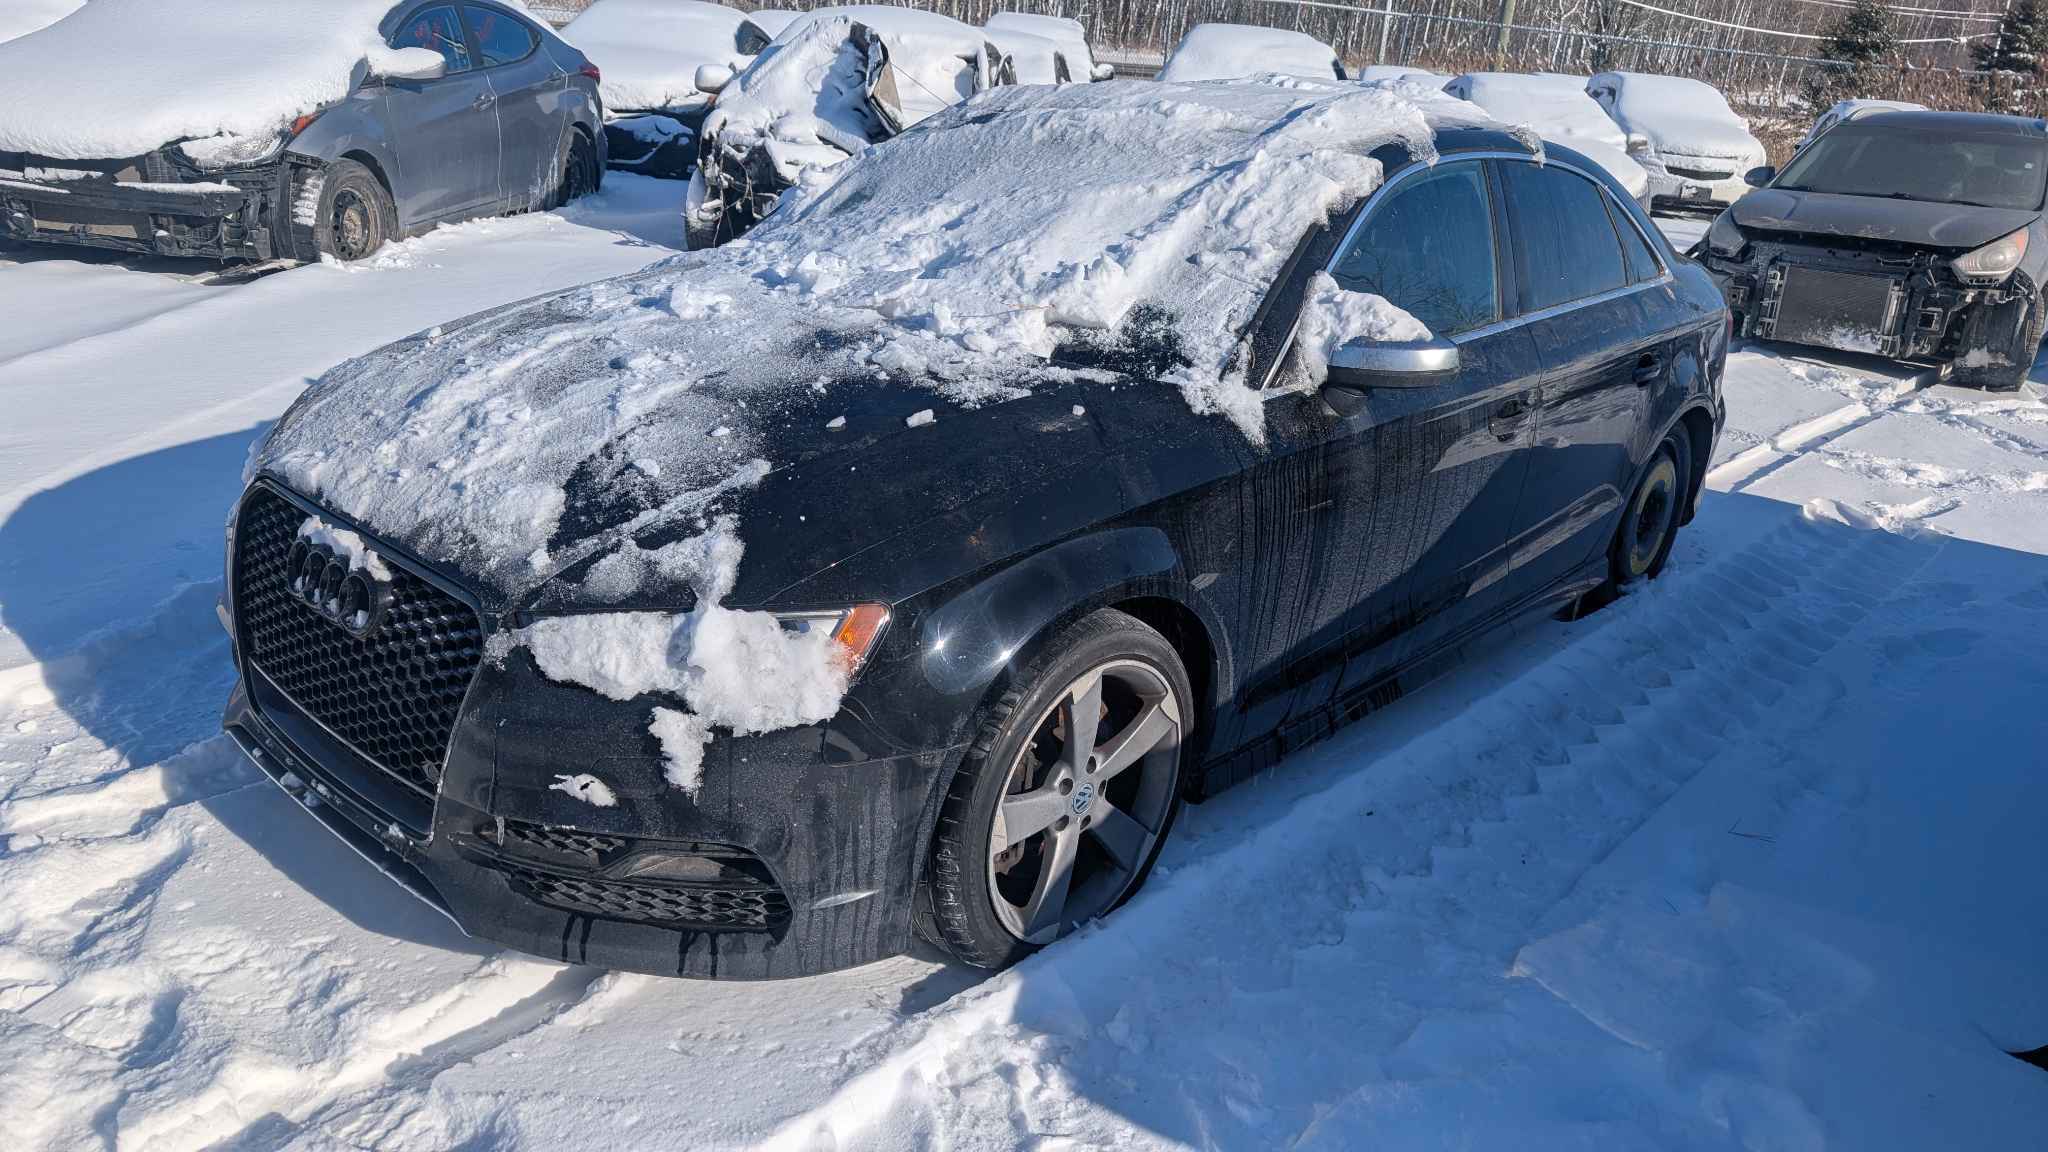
(355, 215)
(1649, 524)
(576, 174)
(1064, 800)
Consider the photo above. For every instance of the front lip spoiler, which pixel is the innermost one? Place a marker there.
(294, 784)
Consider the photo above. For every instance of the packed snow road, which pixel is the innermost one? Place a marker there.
(1748, 859)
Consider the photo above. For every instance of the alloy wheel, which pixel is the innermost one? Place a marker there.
(1085, 801)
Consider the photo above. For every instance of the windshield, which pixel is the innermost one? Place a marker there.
(1987, 170)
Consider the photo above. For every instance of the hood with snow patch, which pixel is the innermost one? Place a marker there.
(1956, 226)
(120, 78)
(1681, 117)
(649, 50)
(517, 444)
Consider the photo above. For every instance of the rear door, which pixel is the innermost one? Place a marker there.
(444, 131)
(1581, 292)
(532, 111)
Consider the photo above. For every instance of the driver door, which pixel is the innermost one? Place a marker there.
(444, 131)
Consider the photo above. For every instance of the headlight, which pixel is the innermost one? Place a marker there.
(855, 630)
(1724, 238)
(1995, 261)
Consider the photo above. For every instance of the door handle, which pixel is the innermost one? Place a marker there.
(1649, 366)
(1507, 419)
(484, 100)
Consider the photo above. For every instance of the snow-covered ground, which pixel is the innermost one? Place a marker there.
(1748, 859)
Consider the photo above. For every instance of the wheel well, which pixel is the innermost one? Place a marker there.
(1182, 629)
(1700, 427)
(376, 169)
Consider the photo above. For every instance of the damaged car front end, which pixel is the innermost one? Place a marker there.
(1910, 236)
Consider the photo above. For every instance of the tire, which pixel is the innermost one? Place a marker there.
(356, 215)
(988, 897)
(1649, 521)
(2009, 377)
(576, 171)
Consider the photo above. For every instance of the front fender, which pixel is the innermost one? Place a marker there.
(355, 126)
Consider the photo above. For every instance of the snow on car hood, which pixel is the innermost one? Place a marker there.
(1681, 117)
(1959, 226)
(943, 260)
(1064, 31)
(809, 88)
(648, 50)
(1555, 105)
(119, 78)
(1225, 51)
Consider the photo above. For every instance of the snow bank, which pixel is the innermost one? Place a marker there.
(925, 261)
(649, 50)
(119, 78)
(1332, 317)
(1228, 51)
(21, 17)
(1680, 116)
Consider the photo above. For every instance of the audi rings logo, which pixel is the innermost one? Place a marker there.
(352, 600)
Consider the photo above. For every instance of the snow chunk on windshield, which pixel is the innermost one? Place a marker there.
(119, 78)
(1332, 317)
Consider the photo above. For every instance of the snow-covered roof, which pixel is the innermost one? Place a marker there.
(773, 21)
(1034, 58)
(21, 17)
(122, 77)
(1226, 51)
(1064, 31)
(944, 260)
(1557, 108)
(648, 50)
(1850, 109)
(1679, 115)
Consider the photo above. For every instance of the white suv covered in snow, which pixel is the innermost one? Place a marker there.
(1693, 146)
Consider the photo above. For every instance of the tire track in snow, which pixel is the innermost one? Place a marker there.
(1440, 858)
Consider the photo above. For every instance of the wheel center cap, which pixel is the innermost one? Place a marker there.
(1082, 799)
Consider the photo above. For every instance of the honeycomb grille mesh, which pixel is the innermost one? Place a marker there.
(394, 694)
(755, 907)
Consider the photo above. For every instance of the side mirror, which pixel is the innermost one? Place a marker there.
(1759, 176)
(1102, 72)
(1638, 143)
(1359, 367)
(408, 64)
(711, 79)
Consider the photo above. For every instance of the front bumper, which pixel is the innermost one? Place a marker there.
(1687, 186)
(147, 207)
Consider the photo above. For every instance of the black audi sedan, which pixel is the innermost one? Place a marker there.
(1911, 235)
(902, 570)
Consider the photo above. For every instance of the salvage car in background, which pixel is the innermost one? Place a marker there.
(834, 82)
(1066, 34)
(1851, 109)
(1005, 508)
(1694, 147)
(250, 130)
(1911, 235)
(1228, 51)
(649, 52)
(1557, 108)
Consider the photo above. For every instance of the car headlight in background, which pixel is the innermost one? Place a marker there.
(1995, 261)
(854, 630)
(1724, 238)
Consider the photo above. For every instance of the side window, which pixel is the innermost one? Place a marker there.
(1564, 244)
(1635, 251)
(500, 39)
(439, 29)
(1429, 249)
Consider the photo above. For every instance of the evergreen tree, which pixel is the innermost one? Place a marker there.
(1859, 45)
(2014, 57)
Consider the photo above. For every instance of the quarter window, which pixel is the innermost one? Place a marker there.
(439, 29)
(1429, 249)
(1564, 244)
(1635, 251)
(500, 38)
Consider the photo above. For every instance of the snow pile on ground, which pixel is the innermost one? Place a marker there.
(944, 258)
(21, 17)
(648, 50)
(1229, 51)
(1332, 317)
(1681, 116)
(119, 78)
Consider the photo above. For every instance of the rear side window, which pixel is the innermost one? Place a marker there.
(500, 39)
(1635, 251)
(1429, 249)
(438, 29)
(1564, 244)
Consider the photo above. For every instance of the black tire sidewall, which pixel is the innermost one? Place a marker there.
(1678, 447)
(347, 174)
(956, 903)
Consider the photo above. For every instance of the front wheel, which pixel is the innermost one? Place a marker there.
(355, 215)
(2009, 377)
(1065, 798)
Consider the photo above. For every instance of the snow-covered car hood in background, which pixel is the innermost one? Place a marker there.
(648, 50)
(924, 264)
(1681, 117)
(119, 78)
(1034, 59)
(1557, 107)
(1958, 226)
(1227, 51)
(1064, 31)
(21, 17)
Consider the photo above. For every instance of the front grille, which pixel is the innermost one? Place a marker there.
(757, 908)
(592, 847)
(1836, 310)
(1711, 175)
(392, 695)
